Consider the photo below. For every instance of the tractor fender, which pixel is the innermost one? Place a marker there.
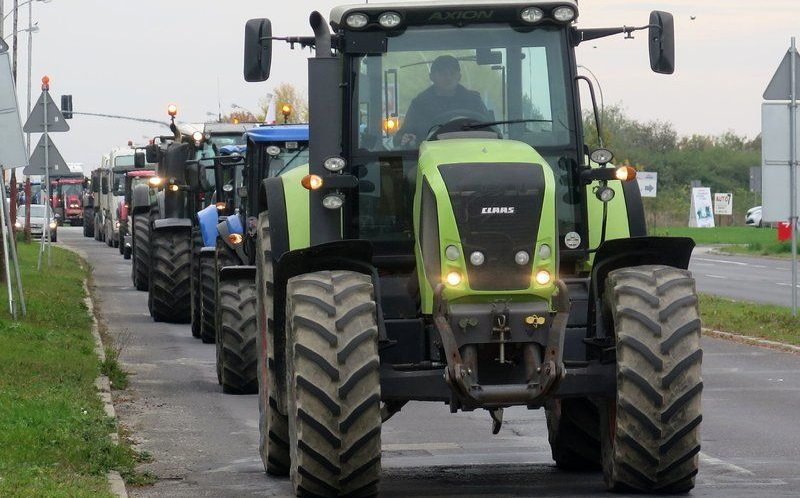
(141, 199)
(208, 219)
(208, 251)
(224, 230)
(635, 251)
(170, 223)
(242, 272)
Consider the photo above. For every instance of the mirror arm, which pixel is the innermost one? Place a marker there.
(582, 35)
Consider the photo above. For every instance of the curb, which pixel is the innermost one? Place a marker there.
(764, 343)
(103, 385)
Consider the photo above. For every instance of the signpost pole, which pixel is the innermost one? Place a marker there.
(46, 227)
(793, 171)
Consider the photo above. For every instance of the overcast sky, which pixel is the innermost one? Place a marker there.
(135, 57)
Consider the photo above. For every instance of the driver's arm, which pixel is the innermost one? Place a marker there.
(410, 124)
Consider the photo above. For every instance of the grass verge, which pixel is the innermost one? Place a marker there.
(737, 240)
(764, 321)
(54, 434)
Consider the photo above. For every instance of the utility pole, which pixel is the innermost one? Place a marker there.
(15, 41)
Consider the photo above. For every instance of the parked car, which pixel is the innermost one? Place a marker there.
(38, 220)
(753, 217)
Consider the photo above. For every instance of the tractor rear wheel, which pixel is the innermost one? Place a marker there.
(273, 426)
(333, 384)
(194, 284)
(141, 252)
(236, 336)
(169, 275)
(208, 300)
(573, 427)
(650, 431)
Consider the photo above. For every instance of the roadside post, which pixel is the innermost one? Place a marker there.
(648, 187)
(45, 118)
(780, 152)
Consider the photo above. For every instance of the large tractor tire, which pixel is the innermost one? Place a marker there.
(237, 358)
(333, 384)
(98, 229)
(573, 427)
(141, 252)
(170, 269)
(273, 426)
(88, 226)
(650, 431)
(208, 301)
(197, 317)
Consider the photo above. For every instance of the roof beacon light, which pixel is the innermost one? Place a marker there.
(564, 13)
(172, 110)
(357, 20)
(390, 20)
(532, 15)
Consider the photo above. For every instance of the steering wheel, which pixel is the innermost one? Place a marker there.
(454, 120)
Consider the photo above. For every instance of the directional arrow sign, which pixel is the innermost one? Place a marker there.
(55, 120)
(37, 164)
(648, 183)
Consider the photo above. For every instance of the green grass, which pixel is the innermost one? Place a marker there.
(53, 430)
(775, 323)
(737, 240)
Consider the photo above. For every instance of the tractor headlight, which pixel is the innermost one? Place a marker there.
(453, 279)
(197, 137)
(543, 277)
(564, 14)
(154, 181)
(452, 253)
(221, 206)
(235, 238)
(334, 164)
(174, 188)
(333, 201)
(477, 258)
(605, 193)
(522, 258)
(273, 150)
(545, 251)
(532, 15)
(357, 20)
(18, 225)
(390, 20)
(53, 225)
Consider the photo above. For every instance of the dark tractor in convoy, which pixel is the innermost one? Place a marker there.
(271, 152)
(138, 179)
(88, 201)
(454, 240)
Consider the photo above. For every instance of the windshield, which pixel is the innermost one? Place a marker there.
(119, 184)
(433, 75)
(70, 189)
(210, 149)
(430, 76)
(124, 160)
(37, 211)
(292, 155)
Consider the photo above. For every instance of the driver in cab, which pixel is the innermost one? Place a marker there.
(439, 103)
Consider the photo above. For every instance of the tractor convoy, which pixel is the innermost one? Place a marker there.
(439, 231)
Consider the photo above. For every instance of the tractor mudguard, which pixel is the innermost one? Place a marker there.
(168, 223)
(208, 219)
(234, 225)
(237, 273)
(635, 251)
(207, 251)
(224, 230)
(141, 199)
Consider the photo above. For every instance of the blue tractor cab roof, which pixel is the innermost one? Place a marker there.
(278, 133)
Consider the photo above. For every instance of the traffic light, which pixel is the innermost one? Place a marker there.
(66, 106)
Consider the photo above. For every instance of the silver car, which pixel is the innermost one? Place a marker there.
(38, 220)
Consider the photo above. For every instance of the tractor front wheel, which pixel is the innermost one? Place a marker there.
(236, 336)
(208, 300)
(141, 252)
(573, 427)
(169, 275)
(333, 384)
(650, 431)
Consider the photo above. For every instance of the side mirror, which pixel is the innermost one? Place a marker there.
(661, 37)
(151, 154)
(243, 192)
(193, 177)
(257, 49)
(139, 159)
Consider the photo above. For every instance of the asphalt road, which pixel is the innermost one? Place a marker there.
(204, 443)
(761, 280)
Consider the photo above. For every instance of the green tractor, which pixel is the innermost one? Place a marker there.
(454, 240)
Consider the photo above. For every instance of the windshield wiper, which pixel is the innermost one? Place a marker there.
(302, 149)
(473, 126)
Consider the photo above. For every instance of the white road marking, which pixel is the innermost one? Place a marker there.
(419, 446)
(738, 263)
(722, 464)
(717, 276)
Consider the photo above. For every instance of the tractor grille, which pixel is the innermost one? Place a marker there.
(497, 208)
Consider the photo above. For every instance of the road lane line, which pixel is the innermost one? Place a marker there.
(722, 464)
(717, 276)
(725, 261)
